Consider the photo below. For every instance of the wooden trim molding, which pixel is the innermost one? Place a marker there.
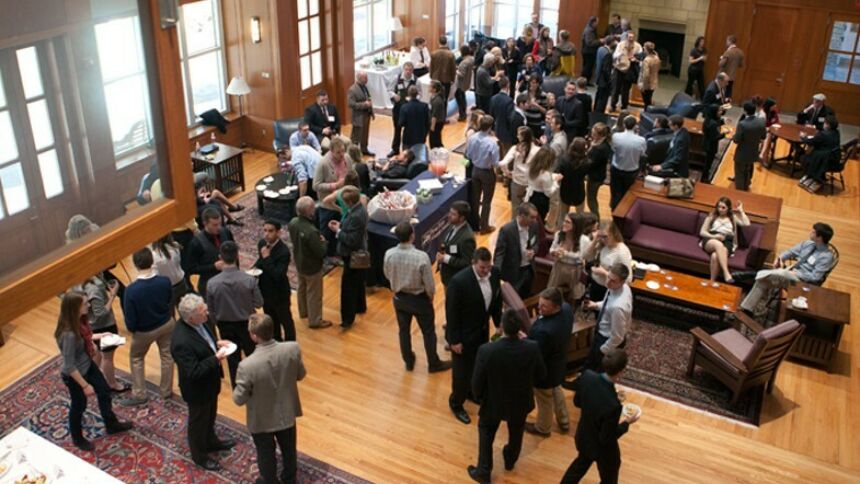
(29, 286)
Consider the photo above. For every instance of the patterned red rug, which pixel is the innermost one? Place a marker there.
(658, 365)
(155, 451)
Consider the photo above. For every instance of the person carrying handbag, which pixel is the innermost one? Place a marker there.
(351, 237)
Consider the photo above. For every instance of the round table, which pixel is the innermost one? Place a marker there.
(282, 207)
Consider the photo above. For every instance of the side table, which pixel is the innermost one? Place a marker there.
(224, 167)
(828, 312)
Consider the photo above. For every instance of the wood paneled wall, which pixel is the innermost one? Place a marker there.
(412, 14)
(573, 16)
(790, 70)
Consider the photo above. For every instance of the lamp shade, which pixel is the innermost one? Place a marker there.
(238, 87)
(394, 24)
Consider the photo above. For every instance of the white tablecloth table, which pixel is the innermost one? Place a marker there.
(378, 80)
(44, 457)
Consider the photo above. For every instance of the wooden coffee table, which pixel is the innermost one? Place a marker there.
(827, 314)
(715, 299)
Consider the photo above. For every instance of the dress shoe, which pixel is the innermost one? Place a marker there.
(84, 444)
(368, 153)
(476, 475)
(569, 385)
(410, 363)
(346, 326)
(509, 463)
(223, 445)
(530, 428)
(441, 366)
(323, 324)
(564, 428)
(210, 465)
(117, 427)
(237, 208)
(122, 389)
(461, 415)
(488, 230)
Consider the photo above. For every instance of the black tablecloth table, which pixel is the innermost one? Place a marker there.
(432, 221)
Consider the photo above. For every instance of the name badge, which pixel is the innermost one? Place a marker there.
(331, 119)
(452, 249)
(399, 86)
(812, 259)
(820, 119)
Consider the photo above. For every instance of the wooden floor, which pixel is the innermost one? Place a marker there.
(365, 414)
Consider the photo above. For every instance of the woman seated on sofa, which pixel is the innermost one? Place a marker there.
(568, 247)
(719, 234)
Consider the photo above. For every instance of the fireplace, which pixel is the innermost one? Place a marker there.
(669, 39)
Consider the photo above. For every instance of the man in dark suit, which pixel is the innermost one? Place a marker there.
(414, 119)
(517, 118)
(505, 371)
(457, 243)
(816, 113)
(204, 258)
(583, 96)
(515, 249)
(323, 119)
(198, 359)
(571, 108)
(748, 137)
(471, 298)
(501, 107)
(399, 93)
(715, 93)
(273, 260)
(361, 106)
(677, 162)
(551, 331)
(599, 429)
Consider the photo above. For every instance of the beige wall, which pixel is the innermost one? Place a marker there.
(690, 13)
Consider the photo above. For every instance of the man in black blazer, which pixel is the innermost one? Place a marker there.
(715, 93)
(515, 249)
(816, 113)
(571, 108)
(551, 331)
(414, 119)
(677, 162)
(748, 137)
(457, 243)
(398, 93)
(198, 356)
(204, 258)
(505, 371)
(518, 115)
(501, 107)
(273, 260)
(471, 298)
(323, 119)
(599, 429)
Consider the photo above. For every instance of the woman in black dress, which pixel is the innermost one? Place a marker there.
(599, 155)
(696, 69)
(573, 167)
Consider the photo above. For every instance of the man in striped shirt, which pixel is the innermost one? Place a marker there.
(411, 276)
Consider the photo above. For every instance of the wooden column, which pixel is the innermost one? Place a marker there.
(573, 16)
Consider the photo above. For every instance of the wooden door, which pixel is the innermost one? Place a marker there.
(769, 57)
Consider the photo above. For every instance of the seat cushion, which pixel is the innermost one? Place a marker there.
(669, 242)
(734, 342)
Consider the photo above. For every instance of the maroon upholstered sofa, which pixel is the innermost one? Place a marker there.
(669, 235)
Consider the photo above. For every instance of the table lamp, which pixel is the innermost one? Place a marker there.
(238, 87)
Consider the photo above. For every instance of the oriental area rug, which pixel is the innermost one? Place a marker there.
(658, 365)
(248, 235)
(155, 450)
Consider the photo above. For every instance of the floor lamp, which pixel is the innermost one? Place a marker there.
(238, 87)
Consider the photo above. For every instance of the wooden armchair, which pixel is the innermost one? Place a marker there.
(739, 363)
(527, 311)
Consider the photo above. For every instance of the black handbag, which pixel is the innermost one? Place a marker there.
(359, 259)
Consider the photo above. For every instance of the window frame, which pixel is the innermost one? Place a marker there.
(309, 55)
(185, 60)
(854, 56)
(369, 4)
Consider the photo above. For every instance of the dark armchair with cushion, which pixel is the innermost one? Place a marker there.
(419, 165)
(682, 103)
(738, 362)
(657, 147)
(283, 129)
(555, 85)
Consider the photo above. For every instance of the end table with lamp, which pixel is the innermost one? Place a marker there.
(238, 87)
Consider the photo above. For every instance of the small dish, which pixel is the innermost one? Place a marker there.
(631, 410)
(653, 285)
(269, 179)
(230, 348)
(254, 271)
(260, 188)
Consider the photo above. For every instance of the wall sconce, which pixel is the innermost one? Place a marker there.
(256, 32)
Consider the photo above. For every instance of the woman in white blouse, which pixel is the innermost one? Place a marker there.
(719, 234)
(542, 182)
(609, 248)
(516, 164)
(567, 249)
(167, 260)
(420, 56)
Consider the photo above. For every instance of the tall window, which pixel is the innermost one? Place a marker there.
(12, 185)
(371, 29)
(509, 17)
(202, 54)
(310, 43)
(474, 17)
(124, 76)
(549, 15)
(843, 54)
(452, 23)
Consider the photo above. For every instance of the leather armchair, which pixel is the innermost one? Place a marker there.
(283, 129)
(682, 103)
(555, 85)
(657, 148)
(738, 362)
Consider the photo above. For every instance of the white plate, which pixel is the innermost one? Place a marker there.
(270, 194)
(111, 340)
(799, 303)
(230, 348)
(260, 188)
(269, 179)
(254, 271)
(653, 285)
(631, 410)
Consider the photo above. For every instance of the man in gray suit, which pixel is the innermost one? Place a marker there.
(267, 383)
(358, 99)
(751, 131)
